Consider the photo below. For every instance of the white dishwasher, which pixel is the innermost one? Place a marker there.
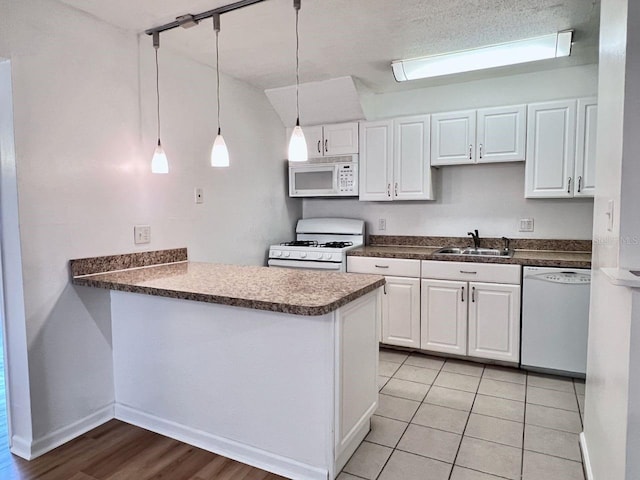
(555, 319)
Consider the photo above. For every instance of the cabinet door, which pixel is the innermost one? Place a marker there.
(313, 136)
(340, 139)
(494, 321)
(586, 147)
(376, 160)
(444, 316)
(551, 139)
(502, 133)
(401, 312)
(453, 138)
(412, 166)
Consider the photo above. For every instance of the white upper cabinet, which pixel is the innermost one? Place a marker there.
(411, 166)
(331, 140)
(394, 160)
(340, 139)
(501, 134)
(561, 149)
(315, 140)
(376, 160)
(551, 139)
(453, 138)
(586, 147)
(487, 135)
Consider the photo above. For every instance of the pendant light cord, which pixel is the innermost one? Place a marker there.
(158, 93)
(297, 69)
(218, 79)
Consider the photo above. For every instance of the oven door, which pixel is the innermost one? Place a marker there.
(307, 265)
(313, 181)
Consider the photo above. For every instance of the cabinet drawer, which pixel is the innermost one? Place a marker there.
(398, 267)
(472, 272)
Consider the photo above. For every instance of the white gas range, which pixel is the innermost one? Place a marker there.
(320, 244)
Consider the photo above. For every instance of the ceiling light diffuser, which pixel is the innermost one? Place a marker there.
(512, 53)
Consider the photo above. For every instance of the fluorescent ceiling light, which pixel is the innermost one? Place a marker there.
(511, 53)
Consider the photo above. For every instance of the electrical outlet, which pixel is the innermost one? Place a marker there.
(141, 234)
(526, 224)
(382, 224)
(199, 195)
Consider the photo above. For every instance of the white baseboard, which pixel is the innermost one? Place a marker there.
(30, 450)
(585, 457)
(222, 446)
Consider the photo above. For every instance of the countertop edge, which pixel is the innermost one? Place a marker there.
(305, 310)
(621, 277)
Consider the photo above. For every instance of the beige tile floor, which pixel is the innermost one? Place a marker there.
(442, 419)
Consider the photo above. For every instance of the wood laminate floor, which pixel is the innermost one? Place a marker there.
(118, 451)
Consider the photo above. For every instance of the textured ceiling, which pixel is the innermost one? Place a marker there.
(354, 37)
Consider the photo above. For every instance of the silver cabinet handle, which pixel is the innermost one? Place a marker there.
(480, 151)
(463, 294)
(326, 145)
(388, 189)
(470, 152)
(382, 266)
(473, 294)
(569, 185)
(579, 183)
(468, 273)
(319, 148)
(396, 189)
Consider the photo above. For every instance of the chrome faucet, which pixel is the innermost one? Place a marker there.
(476, 239)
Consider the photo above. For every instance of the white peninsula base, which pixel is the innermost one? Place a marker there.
(291, 394)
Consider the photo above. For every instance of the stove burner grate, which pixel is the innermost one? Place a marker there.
(300, 243)
(337, 244)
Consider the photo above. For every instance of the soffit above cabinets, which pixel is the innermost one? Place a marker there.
(355, 37)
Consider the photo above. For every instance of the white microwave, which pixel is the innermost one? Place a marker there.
(324, 177)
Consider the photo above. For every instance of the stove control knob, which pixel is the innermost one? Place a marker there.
(276, 253)
(318, 255)
(303, 254)
(286, 254)
(327, 256)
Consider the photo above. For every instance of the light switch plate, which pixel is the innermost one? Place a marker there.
(141, 234)
(526, 224)
(382, 224)
(609, 213)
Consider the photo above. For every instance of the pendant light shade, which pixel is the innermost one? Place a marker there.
(219, 152)
(159, 162)
(298, 146)
(297, 143)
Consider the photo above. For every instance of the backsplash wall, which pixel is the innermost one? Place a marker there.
(487, 197)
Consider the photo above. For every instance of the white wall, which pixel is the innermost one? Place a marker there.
(611, 423)
(85, 132)
(487, 197)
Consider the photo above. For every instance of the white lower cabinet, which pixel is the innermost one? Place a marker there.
(444, 317)
(475, 318)
(401, 299)
(401, 312)
(460, 308)
(494, 321)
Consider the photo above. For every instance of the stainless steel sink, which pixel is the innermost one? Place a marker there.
(476, 252)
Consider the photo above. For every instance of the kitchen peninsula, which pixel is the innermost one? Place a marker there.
(272, 367)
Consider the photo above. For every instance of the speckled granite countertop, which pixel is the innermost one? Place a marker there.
(535, 258)
(298, 292)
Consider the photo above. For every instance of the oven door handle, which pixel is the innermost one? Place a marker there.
(307, 265)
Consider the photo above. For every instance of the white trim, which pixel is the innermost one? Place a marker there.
(62, 435)
(585, 457)
(622, 277)
(222, 446)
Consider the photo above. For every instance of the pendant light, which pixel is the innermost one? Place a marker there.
(297, 144)
(159, 163)
(219, 152)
